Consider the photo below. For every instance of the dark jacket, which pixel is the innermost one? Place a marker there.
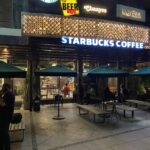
(6, 111)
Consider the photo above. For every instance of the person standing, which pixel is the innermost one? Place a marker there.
(66, 90)
(6, 112)
(108, 95)
(125, 93)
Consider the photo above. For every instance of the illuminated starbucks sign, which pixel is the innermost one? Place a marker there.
(101, 42)
(49, 1)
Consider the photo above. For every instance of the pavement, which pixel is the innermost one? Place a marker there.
(77, 132)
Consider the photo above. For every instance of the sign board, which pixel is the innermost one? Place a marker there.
(94, 10)
(130, 13)
(69, 7)
(101, 42)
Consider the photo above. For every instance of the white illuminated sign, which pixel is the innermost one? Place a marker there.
(49, 1)
(89, 8)
(130, 13)
(101, 42)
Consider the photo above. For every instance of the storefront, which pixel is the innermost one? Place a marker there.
(82, 44)
(81, 36)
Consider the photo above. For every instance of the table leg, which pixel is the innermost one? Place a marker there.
(94, 117)
(124, 113)
(132, 113)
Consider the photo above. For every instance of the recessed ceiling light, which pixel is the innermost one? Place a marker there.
(5, 50)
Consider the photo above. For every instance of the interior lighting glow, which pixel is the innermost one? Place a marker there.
(54, 64)
(5, 50)
(136, 70)
(49, 1)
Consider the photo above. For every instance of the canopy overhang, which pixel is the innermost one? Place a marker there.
(144, 71)
(106, 72)
(56, 71)
(10, 71)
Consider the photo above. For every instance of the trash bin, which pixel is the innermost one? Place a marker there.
(36, 105)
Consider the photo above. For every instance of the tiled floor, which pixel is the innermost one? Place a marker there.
(81, 133)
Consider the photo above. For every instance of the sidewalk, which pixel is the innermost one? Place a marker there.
(76, 132)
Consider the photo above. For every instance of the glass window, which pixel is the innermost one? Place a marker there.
(50, 86)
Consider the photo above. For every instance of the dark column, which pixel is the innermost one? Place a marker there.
(34, 81)
(102, 82)
(30, 83)
(80, 78)
(18, 7)
(76, 92)
(6, 13)
(27, 89)
(119, 83)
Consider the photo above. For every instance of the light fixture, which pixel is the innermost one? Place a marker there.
(136, 70)
(54, 64)
(49, 1)
(5, 50)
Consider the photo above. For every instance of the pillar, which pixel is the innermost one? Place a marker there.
(18, 7)
(35, 79)
(102, 82)
(27, 88)
(119, 80)
(32, 81)
(6, 13)
(80, 79)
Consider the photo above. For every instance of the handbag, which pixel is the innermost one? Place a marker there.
(16, 118)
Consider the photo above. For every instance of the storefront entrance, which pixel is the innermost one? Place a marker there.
(49, 87)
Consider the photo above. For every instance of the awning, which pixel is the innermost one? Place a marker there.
(10, 71)
(56, 71)
(106, 72)
(144, 71)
